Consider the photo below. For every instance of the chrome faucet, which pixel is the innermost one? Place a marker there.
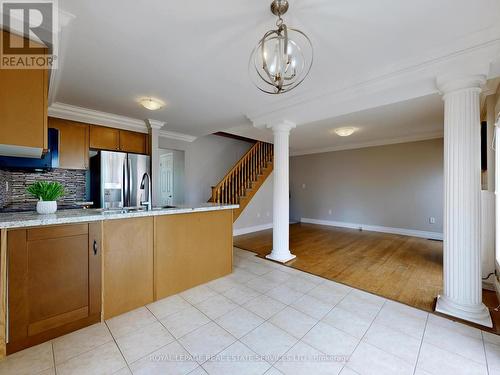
(147, 203)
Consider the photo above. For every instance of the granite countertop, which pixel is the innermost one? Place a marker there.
(32, 219)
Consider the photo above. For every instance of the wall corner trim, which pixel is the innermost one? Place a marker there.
(376, 228)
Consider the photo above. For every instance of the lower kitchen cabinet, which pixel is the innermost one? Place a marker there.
(128, 264)
(54, 282)
(192, 249)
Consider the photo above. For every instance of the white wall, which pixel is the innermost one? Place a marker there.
(207, 161)
(258, 214)
(393, 186)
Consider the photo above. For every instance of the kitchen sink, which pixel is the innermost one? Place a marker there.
(122, 210)
(164, 207)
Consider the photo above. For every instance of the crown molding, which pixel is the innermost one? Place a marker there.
(411, 78)
(75, 113)
(155, 124)
(91, 116)
(379, 142)
(177, 136)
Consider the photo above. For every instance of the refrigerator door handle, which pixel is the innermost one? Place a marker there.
(124, 183)
(129, 174)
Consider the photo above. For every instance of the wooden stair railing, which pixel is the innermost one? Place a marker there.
(244, 179)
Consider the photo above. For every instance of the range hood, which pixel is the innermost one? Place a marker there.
(48, 161)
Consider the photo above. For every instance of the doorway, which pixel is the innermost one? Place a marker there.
(171, 178)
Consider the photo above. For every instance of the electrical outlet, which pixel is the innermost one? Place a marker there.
(329, 212)
(303, 186)
(432, 220)
(258, 214)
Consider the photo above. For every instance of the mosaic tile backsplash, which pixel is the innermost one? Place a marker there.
(15, 196)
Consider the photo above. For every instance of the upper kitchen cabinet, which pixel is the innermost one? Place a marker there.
(103, 138)
(133, 142)
(73, 143)
(23, 111)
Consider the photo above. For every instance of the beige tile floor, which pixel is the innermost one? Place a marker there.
(268, 319)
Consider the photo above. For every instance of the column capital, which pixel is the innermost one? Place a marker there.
(154, 124)
(448, 84)
(282, 126)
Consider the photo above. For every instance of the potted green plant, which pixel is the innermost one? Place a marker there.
(47, 194)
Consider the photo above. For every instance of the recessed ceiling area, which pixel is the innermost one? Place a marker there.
(415, 119)
(194, 56)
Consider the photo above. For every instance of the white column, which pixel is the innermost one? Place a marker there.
(154, 127)
(490, 121)
(281, 218)
(462, 295)
(497, 190)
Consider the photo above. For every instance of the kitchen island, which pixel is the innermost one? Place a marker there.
(64, 271)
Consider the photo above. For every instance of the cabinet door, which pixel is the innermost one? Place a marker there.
(73, 143)
(128, 265)
(23, 107)
(50, 282)
(133, 142)
(103, 138)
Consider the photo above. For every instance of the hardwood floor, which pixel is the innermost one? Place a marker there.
(402, 268)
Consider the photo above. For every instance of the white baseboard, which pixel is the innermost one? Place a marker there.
(256, 228)
(376, 228)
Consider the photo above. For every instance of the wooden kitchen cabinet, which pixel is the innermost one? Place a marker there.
(133, 142)
(192, 249)
(128, 265)
(73, 143)
(54, 282)
(23, 108)
(104, 138)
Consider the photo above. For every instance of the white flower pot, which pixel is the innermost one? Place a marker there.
(46, 207)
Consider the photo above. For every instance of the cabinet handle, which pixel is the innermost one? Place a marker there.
(94, 246)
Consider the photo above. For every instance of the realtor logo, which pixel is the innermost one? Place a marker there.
(31, 42)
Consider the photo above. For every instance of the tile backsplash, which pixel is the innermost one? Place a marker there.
(13, 185)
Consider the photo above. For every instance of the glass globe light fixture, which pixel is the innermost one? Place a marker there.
(345, 132)
(283, 57)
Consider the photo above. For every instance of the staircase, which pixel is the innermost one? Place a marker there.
(245, 178)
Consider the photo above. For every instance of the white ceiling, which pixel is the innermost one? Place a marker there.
(194, 55)
(411, 120)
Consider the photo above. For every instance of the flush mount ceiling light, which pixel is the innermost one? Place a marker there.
(283, 57)
(345, 132)
(151, 103)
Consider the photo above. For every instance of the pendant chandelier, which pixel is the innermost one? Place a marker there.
(283, 57)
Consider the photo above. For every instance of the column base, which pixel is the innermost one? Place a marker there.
(282, 258)
(478, 314)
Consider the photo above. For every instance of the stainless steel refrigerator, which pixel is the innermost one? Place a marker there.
(116, 177)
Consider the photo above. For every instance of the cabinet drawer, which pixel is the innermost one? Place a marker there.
(45, 233)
